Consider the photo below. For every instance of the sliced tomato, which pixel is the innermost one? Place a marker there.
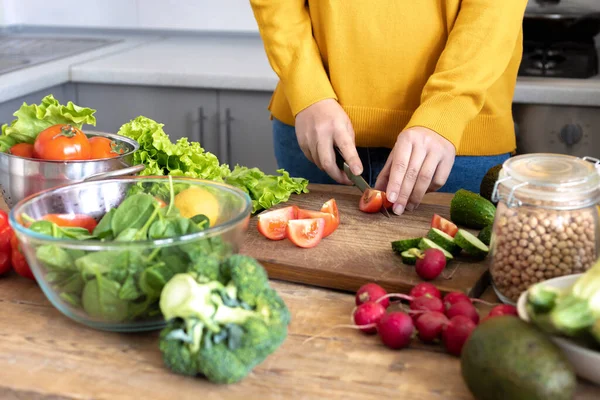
(386, 203)
(371, 201)
(331, 223)
(161, 202)
(330, 207)
(72, 220)
(444, 225)
(305, 233)
(273, 224)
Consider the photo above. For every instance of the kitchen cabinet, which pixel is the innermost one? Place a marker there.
(246, 133)
(63, 93)
(190, 113)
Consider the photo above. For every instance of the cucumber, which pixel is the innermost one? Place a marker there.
(485, 235)
(471, 210)
(470, 244)
(443, 240)
(400, 246)
(410, 256)
(425, 244)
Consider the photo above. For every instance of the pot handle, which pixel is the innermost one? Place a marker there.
(116, 173)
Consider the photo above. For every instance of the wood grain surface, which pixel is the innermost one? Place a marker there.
(359, 251)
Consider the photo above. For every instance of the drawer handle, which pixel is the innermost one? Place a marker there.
(201, 119)
(228, 120)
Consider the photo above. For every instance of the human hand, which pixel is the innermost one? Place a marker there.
(420, 162)
(321, 126)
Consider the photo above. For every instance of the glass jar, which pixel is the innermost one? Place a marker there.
(546, 222)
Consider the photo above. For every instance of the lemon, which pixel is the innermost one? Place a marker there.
(197, 200)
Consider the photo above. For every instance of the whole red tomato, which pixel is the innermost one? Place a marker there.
(22, 150)
(6, 234)
(19, 263)
(72, 220)
(62, 143)
(104, 148)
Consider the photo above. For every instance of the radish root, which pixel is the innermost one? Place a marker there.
(395, 295)
(487, 303)
(339, 326)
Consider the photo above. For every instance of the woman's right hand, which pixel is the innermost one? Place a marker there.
(321, 126)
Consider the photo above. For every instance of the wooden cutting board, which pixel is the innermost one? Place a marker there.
(359, 251)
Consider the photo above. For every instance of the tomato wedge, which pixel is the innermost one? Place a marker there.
(331, 223)
(72, 220)
(273, 224)
(444, 225)
(306, 233)
(386, 203)
(371, 201)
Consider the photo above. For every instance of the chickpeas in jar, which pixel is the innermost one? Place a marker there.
(546, 222)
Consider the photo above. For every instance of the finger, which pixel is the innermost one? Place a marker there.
(383, 177)
(326, 158)
(426, 174)
(344, 140)
(441, 174)
(303, 143)
(399, 166)
(409, 180)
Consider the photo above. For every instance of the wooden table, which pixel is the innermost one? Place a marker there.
(44, 355)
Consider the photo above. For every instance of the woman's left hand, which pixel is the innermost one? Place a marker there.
(420, 162)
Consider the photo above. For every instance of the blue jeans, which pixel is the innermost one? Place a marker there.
(467, 172)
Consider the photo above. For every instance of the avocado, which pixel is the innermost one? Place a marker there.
(507, 358)
(485, 235)
(486, 188)
(471, 210)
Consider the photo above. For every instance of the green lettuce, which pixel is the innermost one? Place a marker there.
(32, 119)
(184, 158)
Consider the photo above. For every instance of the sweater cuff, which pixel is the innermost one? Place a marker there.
(305, 85)
(446, 115)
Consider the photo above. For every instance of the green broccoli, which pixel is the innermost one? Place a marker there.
(221, 331)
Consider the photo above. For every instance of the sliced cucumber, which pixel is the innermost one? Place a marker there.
(443, 240)
(410, 256)
(425, 244)
(400, 246)
(470, 244)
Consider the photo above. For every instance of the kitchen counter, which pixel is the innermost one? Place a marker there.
(221, 61)
(44, 355)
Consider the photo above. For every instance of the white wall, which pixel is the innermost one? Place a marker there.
(201, 15)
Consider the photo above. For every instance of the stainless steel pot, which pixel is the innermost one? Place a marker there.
(21, 177)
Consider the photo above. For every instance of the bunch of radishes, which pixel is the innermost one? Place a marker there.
(451, 319)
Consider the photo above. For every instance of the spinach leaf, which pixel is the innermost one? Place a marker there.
(201, 221)
(104, 228)
(51, 229)
(127, 235)
(153, 279)
(133, 212)
(55, 258)
(100, 299)
(129, 290)
(72, 299)
(100, 262)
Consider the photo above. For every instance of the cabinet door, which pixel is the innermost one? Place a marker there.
(190, 113)
(62, 93)
(246, 131)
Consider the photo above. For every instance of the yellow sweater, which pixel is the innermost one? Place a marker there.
(448, 65)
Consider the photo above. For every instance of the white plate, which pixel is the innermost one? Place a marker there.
(585, 361)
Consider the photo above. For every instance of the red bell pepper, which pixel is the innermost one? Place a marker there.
(5, 249)
(19, 263)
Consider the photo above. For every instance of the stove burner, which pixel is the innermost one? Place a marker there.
(565, 60)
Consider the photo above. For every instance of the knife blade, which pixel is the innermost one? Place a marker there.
(358, 180)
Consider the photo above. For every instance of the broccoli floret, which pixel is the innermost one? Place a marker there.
(207, 267)
(222, 331)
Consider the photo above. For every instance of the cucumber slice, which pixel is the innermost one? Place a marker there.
(410, 256)
(443, 240)
(400, 246)
(425, 244)
(470, 244)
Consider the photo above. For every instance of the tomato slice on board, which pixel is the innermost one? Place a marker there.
(273, 224)
(72, 220)
(371, 201)
(330, 207)
(306, 233)
(22, 150)
(331, 222)
(444, 225)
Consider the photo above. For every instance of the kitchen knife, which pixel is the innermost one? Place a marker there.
(358, 180)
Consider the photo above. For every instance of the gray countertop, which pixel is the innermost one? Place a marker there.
(221, 62)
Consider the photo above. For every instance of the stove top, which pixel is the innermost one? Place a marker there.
(559, 60)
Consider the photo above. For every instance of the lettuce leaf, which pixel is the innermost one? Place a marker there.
(184, 158)
(34, 118)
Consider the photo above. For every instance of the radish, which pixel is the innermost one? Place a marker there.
(371, 292)
(456, 333)
(367, 314)
(430, 326)
(455, 297)
(431, 265)
(502, 309)
(422, 304)
(463, 308)
(395, 330)
(425, 288)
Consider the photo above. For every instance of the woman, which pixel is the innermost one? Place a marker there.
(416, 94)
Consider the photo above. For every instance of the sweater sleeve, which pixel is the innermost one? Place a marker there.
(478, 51)
(286, 30)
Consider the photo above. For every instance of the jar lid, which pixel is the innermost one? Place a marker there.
(554, 180)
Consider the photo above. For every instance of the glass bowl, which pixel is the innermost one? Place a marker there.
(115, 285)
